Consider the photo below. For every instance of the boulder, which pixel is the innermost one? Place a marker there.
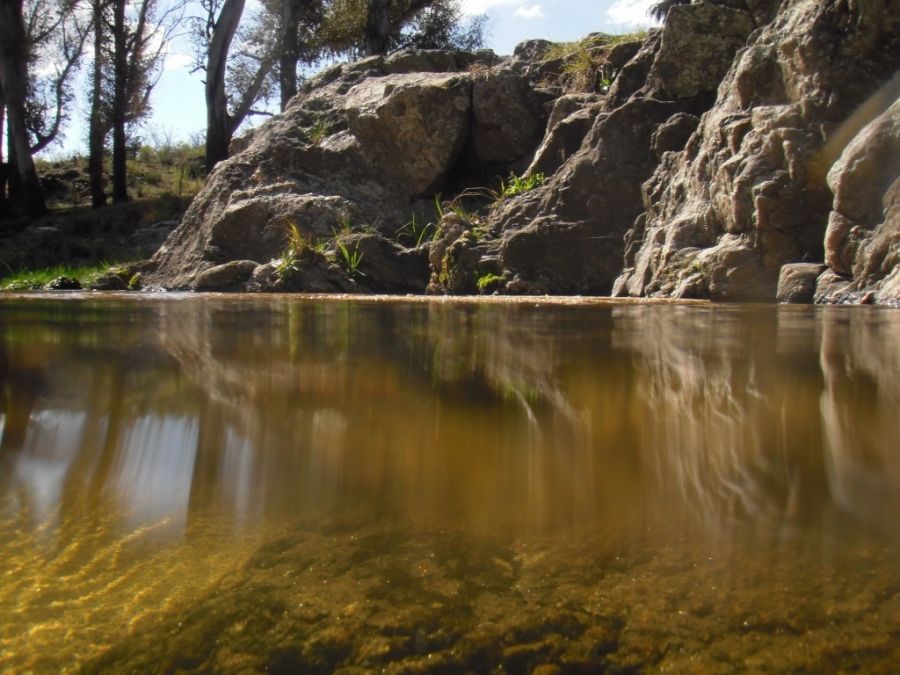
(697, 48)
(797, 282)
(360, 148)
(508, 118)
(413, 124)
(563, 140)
(862, 240)
(673, 134)
(739, 138)
(224, 277)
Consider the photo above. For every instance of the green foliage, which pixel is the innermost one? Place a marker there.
(637, 36)
(318, 132)
(438, 207)
(289, 261)
(345, 226)
(585, 66)
(428, 24)
(36, 279)
(516, 186)
(485, 281)
(320, 247)
(457, 207)
(414, 232)
(350, 260)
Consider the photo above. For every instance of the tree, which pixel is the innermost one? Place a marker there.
(214, 37)
(25, 188)
(297, 42)
(3, 166)
(130, 39)
(367, 27)
(42, 43)
(57, 31)
(98, 123)
(376, 39)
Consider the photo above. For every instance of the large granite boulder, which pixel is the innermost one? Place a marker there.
(361, 149)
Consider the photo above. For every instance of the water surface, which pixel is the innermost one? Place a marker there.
(244, 484)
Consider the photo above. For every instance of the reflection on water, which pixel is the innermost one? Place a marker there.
(295, 485)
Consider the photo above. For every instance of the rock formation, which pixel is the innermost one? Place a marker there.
(749, 192)
(363, 150)
(695, 162)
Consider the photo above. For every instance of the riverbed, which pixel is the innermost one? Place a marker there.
(310, 484)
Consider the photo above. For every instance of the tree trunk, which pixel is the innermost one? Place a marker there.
(218, 125)
(13, 79)
(97, 130)
(290, 52)
(378, 27)
(120, 103)
(4, 167)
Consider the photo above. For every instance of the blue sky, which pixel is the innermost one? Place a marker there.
(178, 109)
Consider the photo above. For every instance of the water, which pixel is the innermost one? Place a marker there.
(282, 484)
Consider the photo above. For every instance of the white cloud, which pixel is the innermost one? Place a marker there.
(630, 13)
(530, 12)
(481, 6)
(176, 60)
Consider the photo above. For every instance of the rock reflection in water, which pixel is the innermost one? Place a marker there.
(299, 485)
(860, 403)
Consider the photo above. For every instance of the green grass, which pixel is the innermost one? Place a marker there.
(297, 245)
(516, 186)
(350, 260)
(585, 67)
(487, 280)
(170, 169)
(31, 280)
(414, 232)
(318, 132)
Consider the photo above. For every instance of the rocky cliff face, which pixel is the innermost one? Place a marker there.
(752, 190)
(744, 141)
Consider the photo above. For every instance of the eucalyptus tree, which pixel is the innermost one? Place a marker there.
(368, 27)
(41, 44)
(250, 72)
(25, 189)
(130, 41)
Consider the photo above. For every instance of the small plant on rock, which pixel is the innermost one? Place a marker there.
(487, 281)
(516, 186)
(318, 132)
(290, 258)
(350, 260)
(415, 232)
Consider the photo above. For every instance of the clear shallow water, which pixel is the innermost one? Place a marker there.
(246, 484)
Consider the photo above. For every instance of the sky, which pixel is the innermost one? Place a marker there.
(178, 109)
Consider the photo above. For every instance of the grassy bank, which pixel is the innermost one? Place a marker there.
(37, 279)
